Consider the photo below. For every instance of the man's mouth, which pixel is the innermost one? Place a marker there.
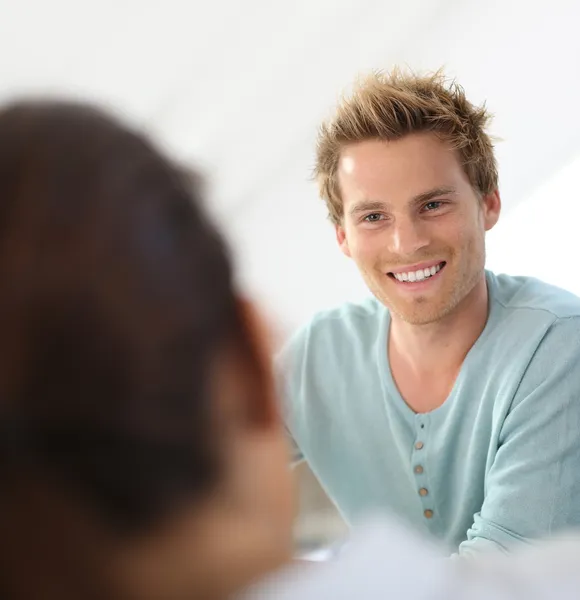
(417, 275)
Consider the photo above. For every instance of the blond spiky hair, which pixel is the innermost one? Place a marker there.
(388, 106)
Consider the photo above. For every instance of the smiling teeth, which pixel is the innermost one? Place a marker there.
(419, 275)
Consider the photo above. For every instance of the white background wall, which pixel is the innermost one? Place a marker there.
(541, 236)
(240, 87)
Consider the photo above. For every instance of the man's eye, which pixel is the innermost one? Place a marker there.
(433, 205)
(373, 218)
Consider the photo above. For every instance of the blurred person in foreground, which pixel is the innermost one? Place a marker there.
(142, 456)
(451, 396)
(141, 452)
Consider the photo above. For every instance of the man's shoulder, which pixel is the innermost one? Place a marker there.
(336, 347)
(530, 295)
(537, 323)
(348, 322)
(339, 339)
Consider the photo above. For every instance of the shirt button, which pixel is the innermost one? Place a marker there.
(419, 469)
(419, 445)
(423, 491)
(428, 514)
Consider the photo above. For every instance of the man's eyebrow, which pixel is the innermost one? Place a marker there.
(368, 205)
(365, 205)
(434, 193)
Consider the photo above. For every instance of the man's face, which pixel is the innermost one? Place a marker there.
(413, 224)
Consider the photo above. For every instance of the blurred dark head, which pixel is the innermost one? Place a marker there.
(130, 373)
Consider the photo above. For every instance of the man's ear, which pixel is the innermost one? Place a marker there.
(491, 206)
(342, 241)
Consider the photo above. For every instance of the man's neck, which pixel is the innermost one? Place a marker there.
(441, 347)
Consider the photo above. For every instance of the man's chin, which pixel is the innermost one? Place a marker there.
(417, 318)
(421, 311)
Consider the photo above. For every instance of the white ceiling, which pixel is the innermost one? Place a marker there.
(240, 87)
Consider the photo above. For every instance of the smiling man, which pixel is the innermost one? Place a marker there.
(452, 396)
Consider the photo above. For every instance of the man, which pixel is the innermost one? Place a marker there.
(452, 397)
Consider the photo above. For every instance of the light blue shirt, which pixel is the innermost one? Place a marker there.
(499, 461)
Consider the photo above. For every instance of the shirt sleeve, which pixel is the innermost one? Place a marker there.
(533, 486)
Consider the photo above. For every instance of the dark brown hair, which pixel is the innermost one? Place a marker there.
(115, 293)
